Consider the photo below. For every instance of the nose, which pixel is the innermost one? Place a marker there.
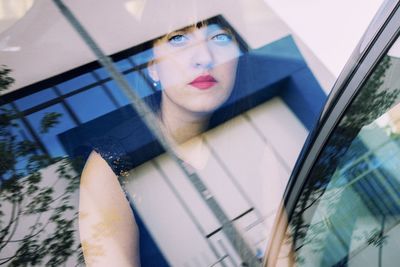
(202, 56)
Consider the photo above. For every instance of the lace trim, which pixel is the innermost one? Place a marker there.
(114, 154)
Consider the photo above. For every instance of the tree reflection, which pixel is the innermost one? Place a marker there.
(37, 218)
(372, 101)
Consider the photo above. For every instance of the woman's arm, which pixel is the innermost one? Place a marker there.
(108, 232)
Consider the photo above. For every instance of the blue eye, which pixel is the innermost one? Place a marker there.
(178, 40)
(222, 38)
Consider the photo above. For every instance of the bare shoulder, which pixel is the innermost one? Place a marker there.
(96, 169)
(106, 221)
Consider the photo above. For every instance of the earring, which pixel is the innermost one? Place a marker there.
(156, 85)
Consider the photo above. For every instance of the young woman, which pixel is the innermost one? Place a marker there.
(196, 68)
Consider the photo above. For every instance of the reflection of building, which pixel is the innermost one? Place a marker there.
(356, 219)
(392, 117)
(255, 148)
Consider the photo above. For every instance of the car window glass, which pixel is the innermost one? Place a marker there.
(197, 111)
(348, 212)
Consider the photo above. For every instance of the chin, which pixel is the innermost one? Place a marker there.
(205, 111)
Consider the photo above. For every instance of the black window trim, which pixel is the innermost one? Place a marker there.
(349, 82)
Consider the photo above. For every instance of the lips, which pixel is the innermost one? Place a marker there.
(203, 82)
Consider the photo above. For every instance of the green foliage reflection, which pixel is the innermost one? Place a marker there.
(340, 152)
(37, 196)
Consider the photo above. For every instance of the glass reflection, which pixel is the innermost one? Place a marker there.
(37, 194)
(349, 210)
(249, 114)
(196, 69)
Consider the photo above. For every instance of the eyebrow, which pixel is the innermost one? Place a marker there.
(188, 28)
(201, 24)
(198, 26)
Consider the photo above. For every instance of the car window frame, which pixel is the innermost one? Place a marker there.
(354, 75)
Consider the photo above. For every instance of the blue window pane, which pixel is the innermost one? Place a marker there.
(22, 134)
(35, 99)
(117, 93)
(5, 109)
(49, 138)
(143, 57)
(121, 65)
(91, 104)
(102, 73)
(139, 84)
(76, 83)
(16, 127)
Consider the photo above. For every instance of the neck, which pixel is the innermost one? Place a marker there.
(181, 124)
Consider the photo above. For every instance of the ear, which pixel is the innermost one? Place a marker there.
(153, 71)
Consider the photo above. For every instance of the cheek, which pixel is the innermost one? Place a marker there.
(227, 73)
(171, 72)
(168, 73)
(226, 60)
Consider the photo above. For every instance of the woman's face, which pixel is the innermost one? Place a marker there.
(196, 68)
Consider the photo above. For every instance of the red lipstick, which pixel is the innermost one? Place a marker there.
(203, 82)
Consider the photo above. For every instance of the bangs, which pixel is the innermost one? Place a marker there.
(217, 20)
